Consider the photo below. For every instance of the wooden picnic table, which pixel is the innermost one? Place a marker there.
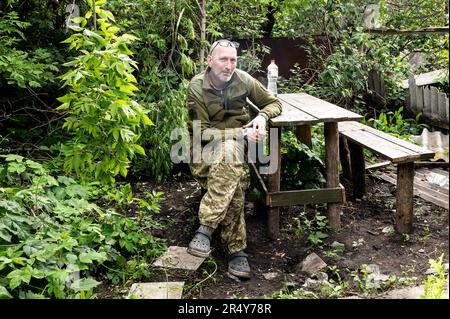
(301, 110)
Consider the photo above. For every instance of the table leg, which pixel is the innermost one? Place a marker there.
(332, 171)
(303, 133)
(273, 213)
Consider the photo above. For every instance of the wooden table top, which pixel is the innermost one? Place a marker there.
(302, 108)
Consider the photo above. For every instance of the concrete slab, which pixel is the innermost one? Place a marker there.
(178, 258)
(156, 290)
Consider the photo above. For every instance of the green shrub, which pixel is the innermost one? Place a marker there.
(56, 242)
(103, 115)
(300, 165)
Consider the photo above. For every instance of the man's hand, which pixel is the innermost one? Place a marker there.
(257, 128)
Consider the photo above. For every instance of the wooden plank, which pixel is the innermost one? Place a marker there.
(377, 165)
(441, 202)
(310, 196)
(355, 129)
(426, 97)
(429, 77)
(421, 181)
(421, 107)
(412, 94)
(425, 78)
(420, 184)
(442, 114)
(441, 171)
(332, 171)
(404, 205)
(446, 110)
(400, 142)
(290, 116)
(433, 103)
(318, 108)
(435, 106)
(389, 150)
(434, 197)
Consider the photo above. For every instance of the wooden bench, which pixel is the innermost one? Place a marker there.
(354, 137)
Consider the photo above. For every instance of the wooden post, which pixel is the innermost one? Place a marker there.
(441, 106)
(405, 192)
(344, 155)
(303, 133)
(358, 169)
(273, 185)
(332, 171)
(412, 94)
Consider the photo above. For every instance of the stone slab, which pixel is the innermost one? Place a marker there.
(178, 258)
(311, 264)
(157, 290)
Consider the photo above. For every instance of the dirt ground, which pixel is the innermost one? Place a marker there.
(365, 235)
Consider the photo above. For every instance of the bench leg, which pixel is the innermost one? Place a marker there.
(358, 169)
(405, 192)
(344, 155)
(273, 185)
(332, 171)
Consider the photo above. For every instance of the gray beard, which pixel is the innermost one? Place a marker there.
(224, 79)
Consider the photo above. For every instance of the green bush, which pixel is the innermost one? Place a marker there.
(56, 242)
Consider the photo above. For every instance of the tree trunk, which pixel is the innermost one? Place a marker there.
(202, 34)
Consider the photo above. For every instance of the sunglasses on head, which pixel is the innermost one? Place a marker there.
(225, 43)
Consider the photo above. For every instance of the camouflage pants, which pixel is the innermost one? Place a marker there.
(223, 202)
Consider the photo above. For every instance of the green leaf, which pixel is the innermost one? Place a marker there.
(4, 261)
(84, 284)
(4, 294)
(146, 120)
(123, 171)
(13, 157)
(11, 206)
(16, 277)
(90, 256)
(139, 149)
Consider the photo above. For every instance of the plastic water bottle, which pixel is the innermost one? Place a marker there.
(272, 76)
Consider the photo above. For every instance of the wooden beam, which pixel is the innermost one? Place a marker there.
(378, 165)
(439, 30)
(332, 171)
(405, 191)
(309, 196)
